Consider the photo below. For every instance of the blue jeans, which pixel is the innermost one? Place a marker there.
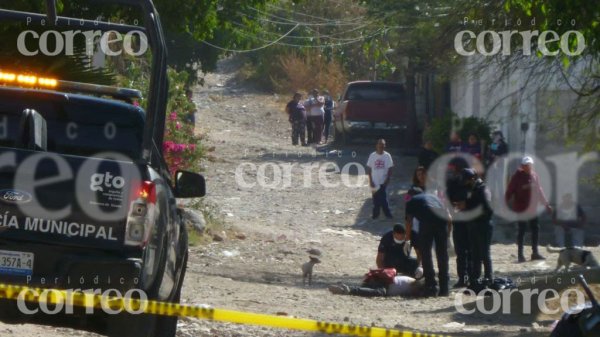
(380, 201)
(368, 291)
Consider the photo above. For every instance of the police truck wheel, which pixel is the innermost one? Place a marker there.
(166, 326)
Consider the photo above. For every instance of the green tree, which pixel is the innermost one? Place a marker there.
(190, 26)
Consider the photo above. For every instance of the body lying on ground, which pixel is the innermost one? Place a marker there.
(401, 286)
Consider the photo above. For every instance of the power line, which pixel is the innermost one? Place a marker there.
(253, 49)
(359, 22)
(313, 16)
(328, 45)
(290, 21)
(311, 37)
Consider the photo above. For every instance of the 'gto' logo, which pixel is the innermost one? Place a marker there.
(15, 196)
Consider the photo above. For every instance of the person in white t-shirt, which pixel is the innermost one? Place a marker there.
(379, 168)
(314, 116)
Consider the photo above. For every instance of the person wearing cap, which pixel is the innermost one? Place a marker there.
(525, 192)
(433, 228)
(391, 253)
(477, 201)
(314, 120)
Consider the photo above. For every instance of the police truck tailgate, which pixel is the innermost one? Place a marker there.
(37, 203)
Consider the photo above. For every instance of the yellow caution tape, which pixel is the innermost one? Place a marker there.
(80, 299)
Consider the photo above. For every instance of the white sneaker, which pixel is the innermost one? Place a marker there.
(339, 289)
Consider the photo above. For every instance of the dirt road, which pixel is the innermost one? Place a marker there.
(329, 211)
(286, 199)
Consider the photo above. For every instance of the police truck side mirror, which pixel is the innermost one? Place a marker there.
(189, 185)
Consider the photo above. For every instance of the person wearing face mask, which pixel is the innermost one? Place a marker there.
(392, 253)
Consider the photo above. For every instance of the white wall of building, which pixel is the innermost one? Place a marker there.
(508, 101)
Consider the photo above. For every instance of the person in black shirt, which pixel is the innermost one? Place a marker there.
(479, 227)
(430, 212)
(391, 252)
(455, 192)
(427, 155)
(297, 116)
(329, 106)
(497, 148)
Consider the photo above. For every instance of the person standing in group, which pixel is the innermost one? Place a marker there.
(315, 111)
(455, 192)
(427, 155)
(473, 146)
(477, 201)
(429, 210)
(329, 106)
(455, 147)
(297, 117)
(526, 193)
(379, 169)
(419, 182)
(455, 144)
(497, 148)
(495, 161)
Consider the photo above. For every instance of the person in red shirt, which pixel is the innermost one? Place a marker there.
(524, 194)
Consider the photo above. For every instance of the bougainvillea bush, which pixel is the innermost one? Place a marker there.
(182, 148)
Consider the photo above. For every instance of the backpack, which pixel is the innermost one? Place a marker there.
(502, 283)
(381, 277)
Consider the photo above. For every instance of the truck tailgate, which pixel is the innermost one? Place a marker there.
(65, 200)
(376, 111)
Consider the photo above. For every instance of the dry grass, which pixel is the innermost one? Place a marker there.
(302, 73)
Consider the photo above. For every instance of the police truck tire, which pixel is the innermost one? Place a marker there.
(166, 326)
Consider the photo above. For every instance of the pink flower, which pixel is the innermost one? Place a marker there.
(193, 147)
(168, 146)
(173, 116)
(178, 125)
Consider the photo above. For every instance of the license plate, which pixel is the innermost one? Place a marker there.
(16, 263)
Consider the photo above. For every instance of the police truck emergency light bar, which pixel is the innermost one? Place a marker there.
(29, 80)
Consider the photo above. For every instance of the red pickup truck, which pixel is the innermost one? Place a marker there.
(375, 109)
